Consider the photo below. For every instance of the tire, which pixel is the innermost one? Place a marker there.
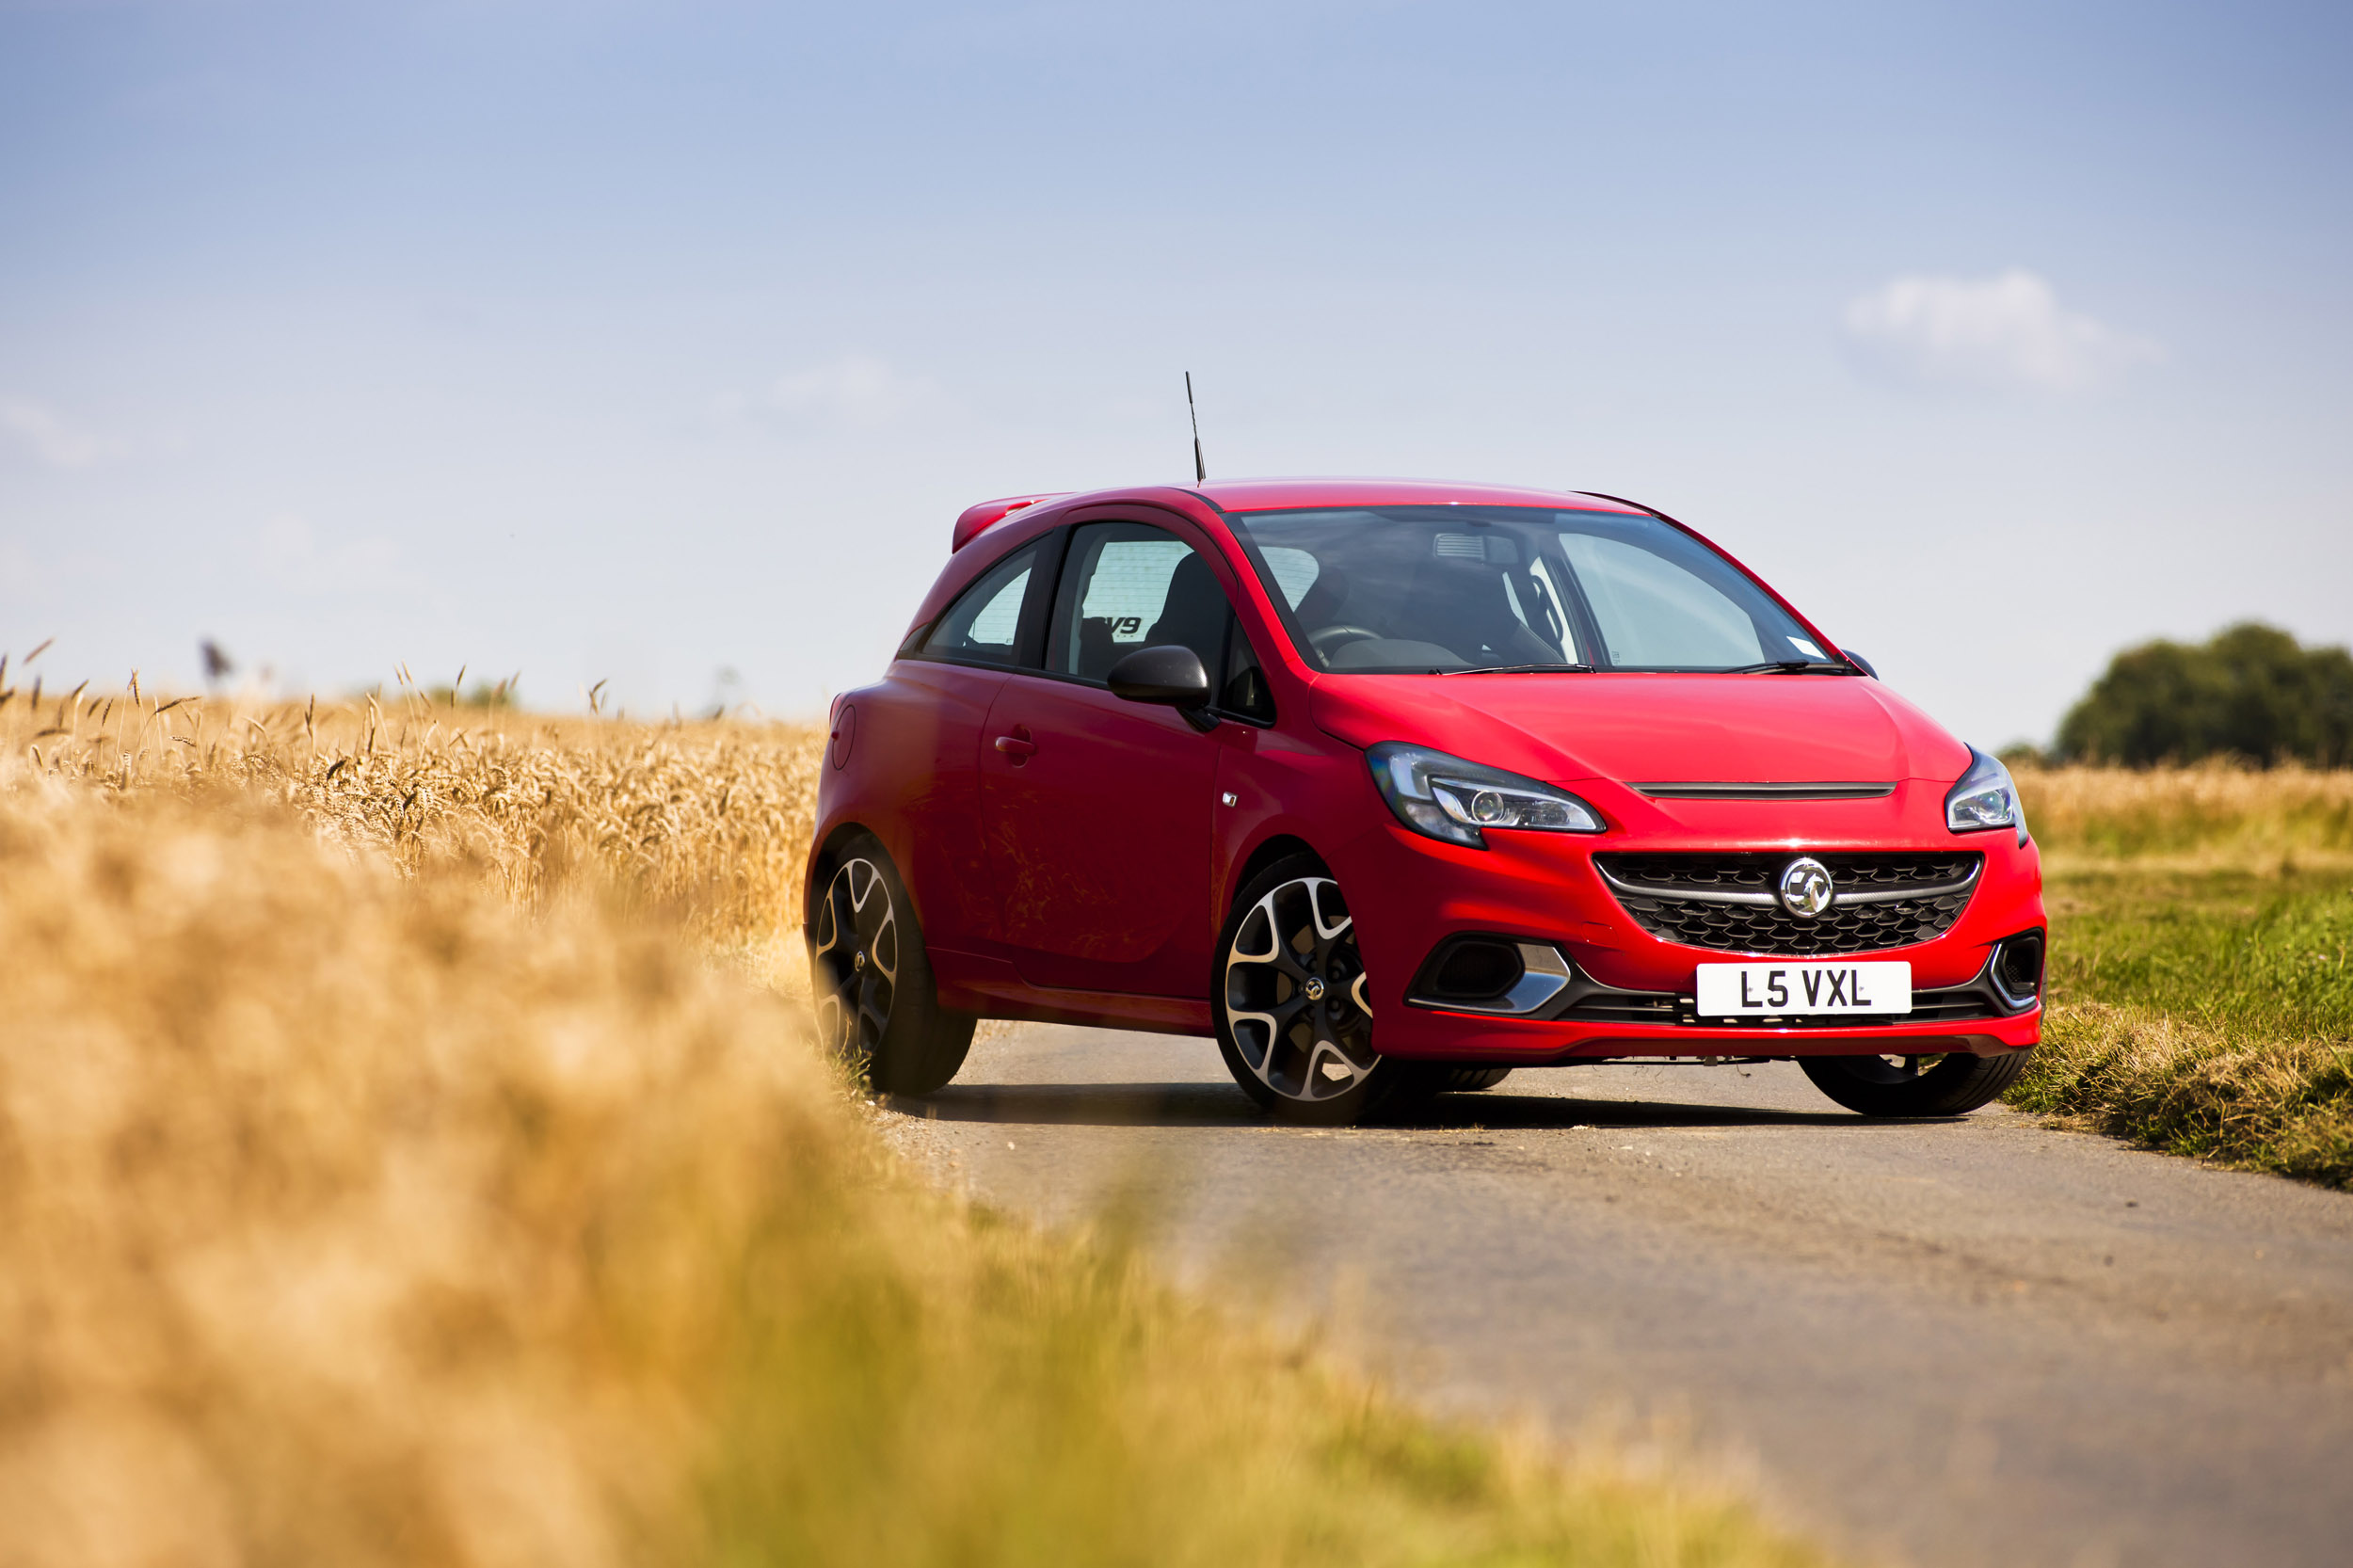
(1288, 1000)
(1420, 1083)
(1915, 1085)
(877, 1007)
(1438, 1079)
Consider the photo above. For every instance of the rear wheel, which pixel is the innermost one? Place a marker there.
(1915, 1085)
(1293, 1019)
(876, 1005)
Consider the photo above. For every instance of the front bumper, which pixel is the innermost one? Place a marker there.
(1583, 1020)
(1462, 1037)
(1545, 888)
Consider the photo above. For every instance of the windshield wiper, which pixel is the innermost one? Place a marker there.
(1792, 667)
(1520, 670)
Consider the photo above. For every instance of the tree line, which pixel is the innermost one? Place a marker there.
(2250, 693)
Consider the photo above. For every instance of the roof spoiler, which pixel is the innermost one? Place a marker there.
(973, 519)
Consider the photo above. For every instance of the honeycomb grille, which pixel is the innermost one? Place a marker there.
(1676, 906)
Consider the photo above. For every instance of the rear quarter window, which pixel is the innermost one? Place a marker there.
(984, 625)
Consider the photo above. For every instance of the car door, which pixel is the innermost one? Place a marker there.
(1098, 811)
(929, 740)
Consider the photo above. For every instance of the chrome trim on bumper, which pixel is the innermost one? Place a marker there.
(1544, 974)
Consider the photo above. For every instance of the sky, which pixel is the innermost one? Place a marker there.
(659, 345)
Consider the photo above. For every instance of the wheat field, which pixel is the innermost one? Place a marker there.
(2216, 816)
(407, 1158)
(708, 820)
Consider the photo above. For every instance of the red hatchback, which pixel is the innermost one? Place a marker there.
(1394, 787)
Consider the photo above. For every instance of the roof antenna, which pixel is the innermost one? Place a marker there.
(1200, 473)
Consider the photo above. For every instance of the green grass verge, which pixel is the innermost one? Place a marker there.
(2204, 1014)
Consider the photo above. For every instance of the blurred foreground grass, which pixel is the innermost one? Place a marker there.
(388, 1174)
(2202, 962)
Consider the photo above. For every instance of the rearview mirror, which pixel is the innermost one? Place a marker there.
(1170, 675)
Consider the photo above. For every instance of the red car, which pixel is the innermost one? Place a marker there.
(1395, 787)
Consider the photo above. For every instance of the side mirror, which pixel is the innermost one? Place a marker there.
(1858, 662)
(1170, 675)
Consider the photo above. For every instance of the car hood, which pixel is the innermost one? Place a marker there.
(1766, 727)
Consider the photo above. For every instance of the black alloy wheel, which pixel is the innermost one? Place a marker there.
(1294, 1022)
(872, 980)
(1952, 1085)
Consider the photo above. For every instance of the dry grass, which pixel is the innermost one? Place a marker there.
(386, 1176)
(2238, 1097)
(2215, 816)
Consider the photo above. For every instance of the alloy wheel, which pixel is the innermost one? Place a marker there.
(1295, 994)
(856, 960)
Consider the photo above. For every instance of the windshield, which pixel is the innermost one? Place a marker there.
(1417, 589)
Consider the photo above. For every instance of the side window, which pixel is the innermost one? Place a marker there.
(984, 625)
(1245, 690)
(1127, 585)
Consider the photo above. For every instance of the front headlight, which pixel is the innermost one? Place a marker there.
(1445, 797)
(1986, 797)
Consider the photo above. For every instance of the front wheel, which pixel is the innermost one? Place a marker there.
(871, 979)
(1295, 1023)
(1438, 1078)
(1915, 1085)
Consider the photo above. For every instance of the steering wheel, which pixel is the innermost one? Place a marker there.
(1326, 638)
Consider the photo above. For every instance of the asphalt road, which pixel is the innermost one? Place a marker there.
(1956, 1343)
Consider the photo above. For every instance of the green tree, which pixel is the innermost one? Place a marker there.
(2251, 691)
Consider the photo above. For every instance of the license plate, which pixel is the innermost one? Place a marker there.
(1802, 989)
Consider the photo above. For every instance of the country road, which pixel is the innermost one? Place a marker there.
(1973, 1342)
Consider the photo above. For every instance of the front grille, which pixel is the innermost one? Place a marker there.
(1725, 900)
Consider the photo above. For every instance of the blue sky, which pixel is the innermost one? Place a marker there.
(647, 343)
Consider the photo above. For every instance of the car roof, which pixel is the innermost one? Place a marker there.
(1254, 495)
(1257, 495)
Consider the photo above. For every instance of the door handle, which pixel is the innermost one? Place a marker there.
(1017, 748)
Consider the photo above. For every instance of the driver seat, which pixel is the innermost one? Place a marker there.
(1193, 614)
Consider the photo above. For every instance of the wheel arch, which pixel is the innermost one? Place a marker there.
(825, 856)
(1278, 847)
(822, 861)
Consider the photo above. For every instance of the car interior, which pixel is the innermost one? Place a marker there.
(1372, 591)
(1127, 601)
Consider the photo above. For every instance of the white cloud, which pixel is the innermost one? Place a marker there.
(50, 438)
(2006, 330)
(855, 388)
